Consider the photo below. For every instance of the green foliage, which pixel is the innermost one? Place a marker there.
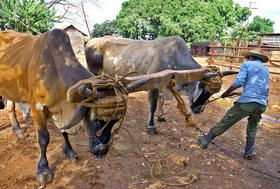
(257, 26)
(106, 28)
(193, 20)
(26, 16)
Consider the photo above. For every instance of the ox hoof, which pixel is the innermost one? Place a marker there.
(152, 131)
(70, 154)
(19, 132)
(45, 177)
(161, 119)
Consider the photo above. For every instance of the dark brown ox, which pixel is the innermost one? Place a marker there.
(39, 70)
(120, 56)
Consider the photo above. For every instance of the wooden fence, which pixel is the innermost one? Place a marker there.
(230, 55)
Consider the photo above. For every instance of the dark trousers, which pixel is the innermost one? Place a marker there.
(252, 110)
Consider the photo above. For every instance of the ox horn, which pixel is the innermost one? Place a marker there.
(78, 116)
(136, 84)
(223, 73)
(228, 72)
(83, 90)
(210, 74)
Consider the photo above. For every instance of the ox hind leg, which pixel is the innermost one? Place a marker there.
(68, 151)
(12, 116)
(153, 97)
(44, 174)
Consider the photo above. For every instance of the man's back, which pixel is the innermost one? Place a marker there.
(254, 77)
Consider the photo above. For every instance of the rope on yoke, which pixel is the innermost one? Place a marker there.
(110, 107)
(181, 104)
(211, 85)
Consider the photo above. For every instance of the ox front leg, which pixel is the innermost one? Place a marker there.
(68, 151)
(153, 96)
(44, 175)
(12, 116)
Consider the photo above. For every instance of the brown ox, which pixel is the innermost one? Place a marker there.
(39, 70)
(120, 56)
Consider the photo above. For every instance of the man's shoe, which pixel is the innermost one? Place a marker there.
(203, 141)
(249, 147)
(250, 156)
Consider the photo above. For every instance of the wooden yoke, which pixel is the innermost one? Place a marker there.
(181, 105)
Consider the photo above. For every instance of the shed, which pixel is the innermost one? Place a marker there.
(200, 49)
(77, 38)
(270, 40)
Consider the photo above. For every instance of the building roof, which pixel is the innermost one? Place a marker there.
(200, 44)
(265, 44)
(72, 26)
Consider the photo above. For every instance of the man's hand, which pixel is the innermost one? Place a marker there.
(229, 92)
(225, 94)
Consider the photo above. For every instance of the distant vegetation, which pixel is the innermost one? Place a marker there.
(193, 20)
(28, 16)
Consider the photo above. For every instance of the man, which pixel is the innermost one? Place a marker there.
(254, 78)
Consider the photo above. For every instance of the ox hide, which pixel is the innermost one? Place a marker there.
(119, 56)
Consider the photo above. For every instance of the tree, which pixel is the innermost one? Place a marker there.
(106, 28)
(255, 28)
(193, 20)
(26, 16)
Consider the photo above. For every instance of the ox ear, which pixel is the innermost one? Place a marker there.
(136, 84)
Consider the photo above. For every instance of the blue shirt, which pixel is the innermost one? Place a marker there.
(254, 78)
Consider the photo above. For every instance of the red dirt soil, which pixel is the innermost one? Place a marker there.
(221, 166)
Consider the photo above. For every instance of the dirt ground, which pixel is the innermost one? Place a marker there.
(124, 167)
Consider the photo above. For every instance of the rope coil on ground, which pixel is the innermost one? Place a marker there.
(156, 168)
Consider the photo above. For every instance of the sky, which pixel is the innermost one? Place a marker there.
(109, 9)
(265, 9)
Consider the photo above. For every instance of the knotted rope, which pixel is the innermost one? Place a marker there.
(213, 84)
(111, 107)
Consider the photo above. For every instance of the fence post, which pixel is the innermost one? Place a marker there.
(211, 59)
(259, 43)
(237, 50)
(232, 53)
